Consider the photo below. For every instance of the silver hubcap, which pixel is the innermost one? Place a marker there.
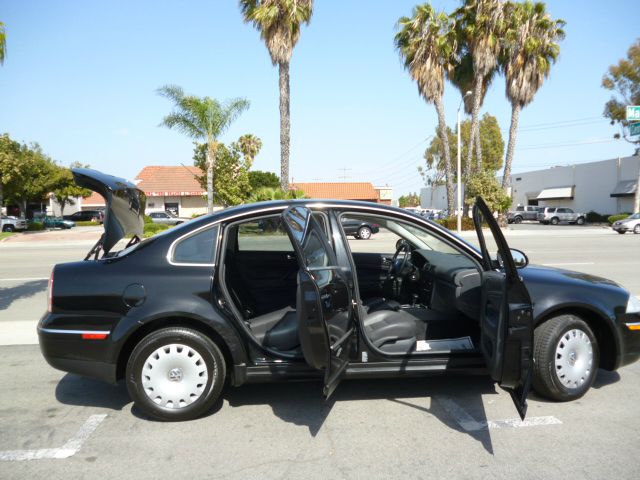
(174, 376)
(574, 359)
(365, 233)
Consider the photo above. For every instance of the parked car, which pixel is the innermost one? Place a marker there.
(181, 314)
(86, 216)
(56, 222)
(629, 224)
(11, 223)
(359, 229)
(522, 213)
(166, 218)
(556, 215)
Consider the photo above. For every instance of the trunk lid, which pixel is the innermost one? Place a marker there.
(125, 204)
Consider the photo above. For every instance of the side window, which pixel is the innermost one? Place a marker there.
(264, 234)
(568, 210)
(198, 248)
(520, 209)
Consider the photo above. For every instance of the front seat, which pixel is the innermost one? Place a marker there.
(391, 331)
(277, 329)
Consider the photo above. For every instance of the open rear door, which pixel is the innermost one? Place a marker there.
(506, 319)
(323, 299)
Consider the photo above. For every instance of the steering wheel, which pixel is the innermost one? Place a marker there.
(398, 265)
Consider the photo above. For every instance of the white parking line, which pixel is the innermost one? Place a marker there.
(69, 449)
(22, 279)
(566, 264)
(470, 424)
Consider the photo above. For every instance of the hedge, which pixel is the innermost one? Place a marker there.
(35, 227)
(595, 217)
(150, 229)
(451, 223)
(88, 224)
(618, 216)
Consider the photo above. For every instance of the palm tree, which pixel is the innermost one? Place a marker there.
(202, 118)
(531, 46)
(3, 43)
(480, 25)
(426, 44)
(279, 23)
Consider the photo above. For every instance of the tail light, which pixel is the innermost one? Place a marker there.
(50, 295)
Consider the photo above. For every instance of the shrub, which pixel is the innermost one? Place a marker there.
(150, 229)
(35, 226)
(88, 224)
(147, 220)
(595, 217)
(618, 216)
(451, 223)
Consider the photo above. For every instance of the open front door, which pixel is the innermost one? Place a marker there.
(506, 319)
(323, 299)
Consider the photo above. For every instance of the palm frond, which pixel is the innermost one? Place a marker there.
(3, 43)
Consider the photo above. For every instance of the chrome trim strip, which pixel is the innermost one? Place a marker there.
(75, 332)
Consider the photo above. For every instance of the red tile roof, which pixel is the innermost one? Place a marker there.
(170, 181)
(339, 190)
(93, 200)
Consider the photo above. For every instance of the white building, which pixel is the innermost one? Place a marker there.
(605, 187)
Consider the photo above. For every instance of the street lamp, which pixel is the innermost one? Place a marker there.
(459, 187)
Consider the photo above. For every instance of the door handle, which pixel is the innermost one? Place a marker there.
(290, 257)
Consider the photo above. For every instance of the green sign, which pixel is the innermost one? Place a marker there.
(633, 112)
(634, 129)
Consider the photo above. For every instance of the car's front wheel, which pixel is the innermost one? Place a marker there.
(580, 221)
(566, 358)
(175, 374)
(636, 229)
(622, 232)
(364, 233)
(555, 221)
(8, 228)
(517, 219)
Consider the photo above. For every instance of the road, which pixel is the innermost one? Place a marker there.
(57, 425)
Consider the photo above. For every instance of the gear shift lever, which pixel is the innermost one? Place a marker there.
(414, 299)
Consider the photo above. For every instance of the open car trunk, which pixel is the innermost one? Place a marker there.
(124, 208)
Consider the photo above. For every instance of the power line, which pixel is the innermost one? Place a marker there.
(570, 144)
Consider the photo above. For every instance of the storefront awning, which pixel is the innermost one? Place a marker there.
(556, 193)
(625, 188)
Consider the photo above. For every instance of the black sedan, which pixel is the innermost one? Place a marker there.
(358, 227)
(220, 299)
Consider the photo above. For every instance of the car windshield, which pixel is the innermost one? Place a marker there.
(635, 216)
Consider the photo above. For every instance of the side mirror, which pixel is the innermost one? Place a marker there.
(519, 258)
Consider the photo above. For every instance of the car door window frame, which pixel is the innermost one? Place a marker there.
(216, 245)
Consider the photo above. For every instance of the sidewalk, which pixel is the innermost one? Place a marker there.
(88, 234)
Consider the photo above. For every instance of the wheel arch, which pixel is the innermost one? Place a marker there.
(600, 324)
(231, 355)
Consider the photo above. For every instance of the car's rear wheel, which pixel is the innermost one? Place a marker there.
(555, 221)
(364, 233)
(580, 221)
(566, 358)
(517, 219)
(8, 228)
(622, 232)
(636, 229)
(175, 374)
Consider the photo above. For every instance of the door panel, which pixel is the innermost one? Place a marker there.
(323, 299)
(506, 319)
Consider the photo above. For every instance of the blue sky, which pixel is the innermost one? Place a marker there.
(80, 79)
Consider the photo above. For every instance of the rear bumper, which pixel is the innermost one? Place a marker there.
(68, 351)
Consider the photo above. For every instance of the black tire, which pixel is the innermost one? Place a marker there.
(208, 351)
(622, 232)
(517, 219)
(580, 221)
(546, 376)
(8, 228)
(636, 229)
(555, 221)
(364, 233)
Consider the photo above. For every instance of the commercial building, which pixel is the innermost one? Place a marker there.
(605, 187)
(168, 188)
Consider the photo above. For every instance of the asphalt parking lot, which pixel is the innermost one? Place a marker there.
(57, 425)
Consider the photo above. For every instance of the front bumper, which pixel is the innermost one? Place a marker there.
(621, 228)
(630, 347)
(71, 351)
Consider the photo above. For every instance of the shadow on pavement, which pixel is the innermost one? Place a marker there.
(76, 390)
(8, 295)
(604, 378)
(303, 403)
